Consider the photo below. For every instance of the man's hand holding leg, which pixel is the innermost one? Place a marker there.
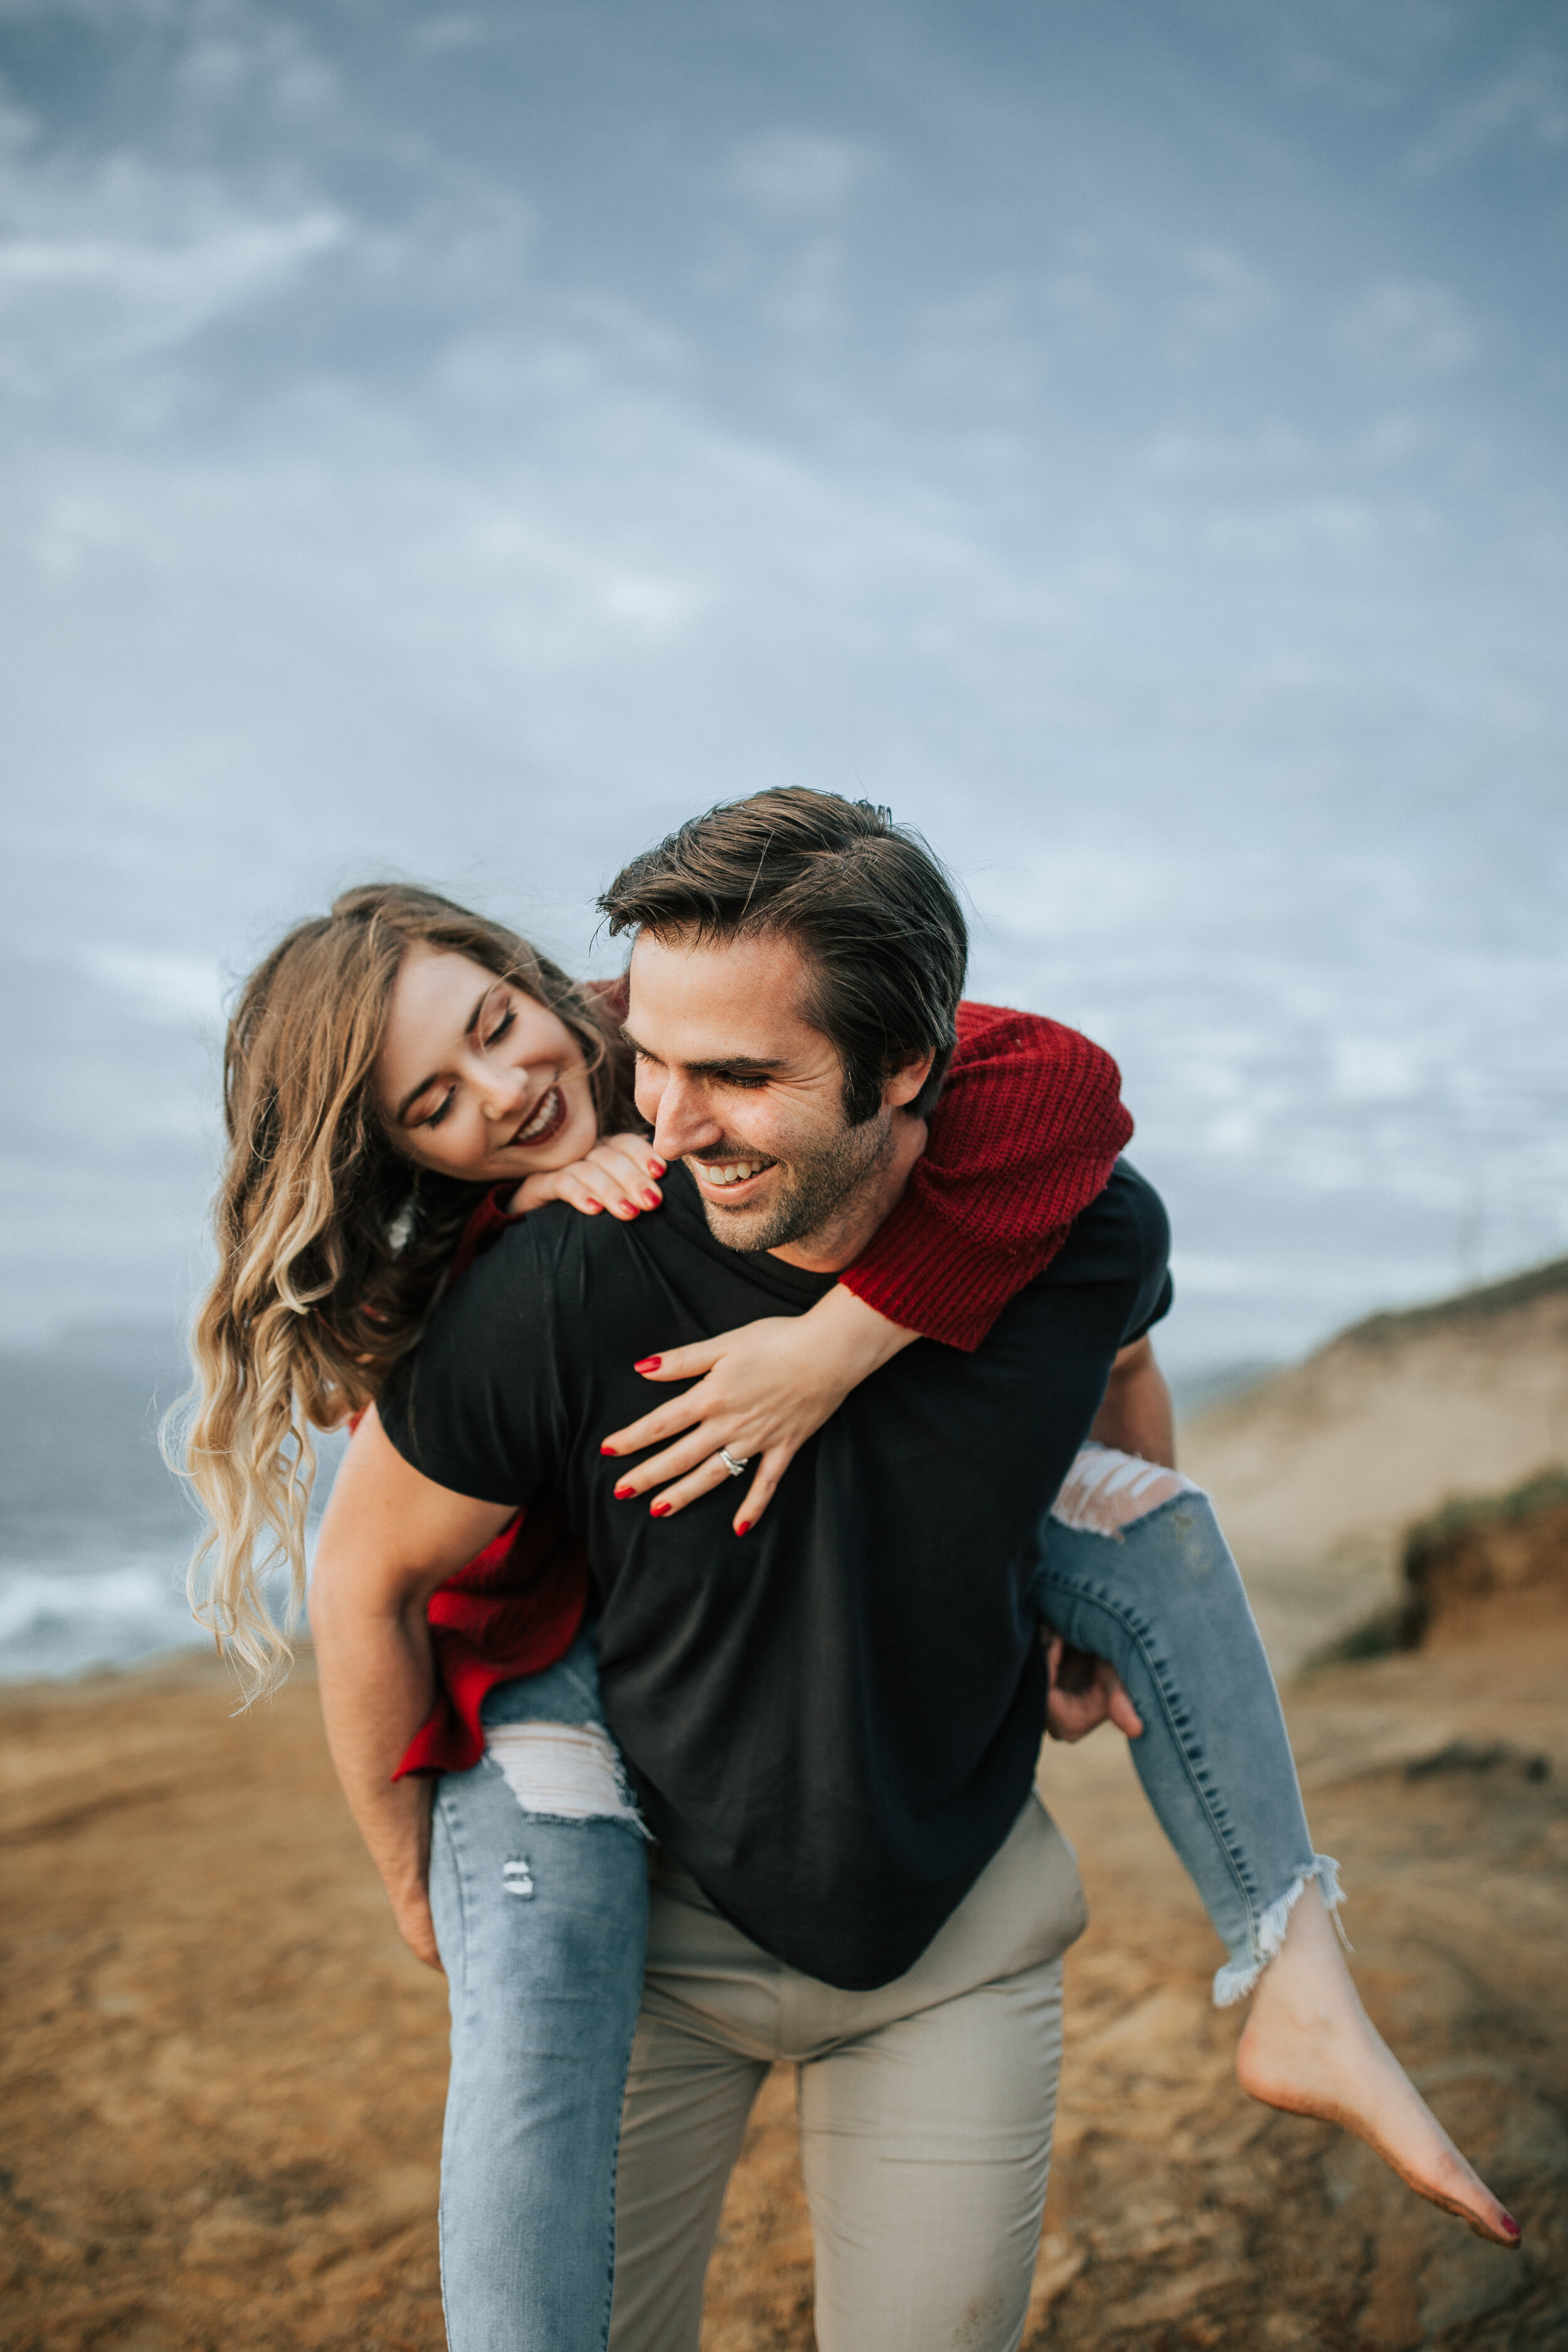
(1079, 1702)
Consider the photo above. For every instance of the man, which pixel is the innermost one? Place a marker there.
(831, 1726)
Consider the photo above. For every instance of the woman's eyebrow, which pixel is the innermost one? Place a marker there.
(411, 1096)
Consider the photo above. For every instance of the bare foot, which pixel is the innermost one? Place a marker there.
(1310, 2048)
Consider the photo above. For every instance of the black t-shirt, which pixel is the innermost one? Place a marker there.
(833, 1721)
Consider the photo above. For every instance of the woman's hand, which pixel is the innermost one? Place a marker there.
(617, 1175)
(764, 1391)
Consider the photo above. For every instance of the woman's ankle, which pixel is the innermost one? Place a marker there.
(1317, 1887)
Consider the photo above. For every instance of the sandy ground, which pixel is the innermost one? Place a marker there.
(222, 2078)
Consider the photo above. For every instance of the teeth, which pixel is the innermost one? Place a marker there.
(733, 1171)
(541, 1117)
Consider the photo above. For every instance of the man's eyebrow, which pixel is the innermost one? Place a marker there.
(752, 1064)
(411, 1096)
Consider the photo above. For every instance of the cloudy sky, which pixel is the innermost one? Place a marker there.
(1126, 435)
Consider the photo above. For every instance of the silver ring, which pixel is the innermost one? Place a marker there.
(737, 1469)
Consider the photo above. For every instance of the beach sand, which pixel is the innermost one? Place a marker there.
(223, 2075)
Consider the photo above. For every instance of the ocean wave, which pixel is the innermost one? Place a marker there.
(61, 1618)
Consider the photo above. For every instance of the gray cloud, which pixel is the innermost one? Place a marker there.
(1399, 330)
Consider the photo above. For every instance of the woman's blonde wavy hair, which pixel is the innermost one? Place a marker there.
(332, 1245)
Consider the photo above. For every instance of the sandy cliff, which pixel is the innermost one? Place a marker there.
(1319, 1470)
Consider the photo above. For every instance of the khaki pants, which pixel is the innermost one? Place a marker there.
(925, 2112)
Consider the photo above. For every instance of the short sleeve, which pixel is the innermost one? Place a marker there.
(1155, 1293)
(1163, 1306)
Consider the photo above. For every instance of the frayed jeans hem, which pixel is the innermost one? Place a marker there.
(1240, 1977)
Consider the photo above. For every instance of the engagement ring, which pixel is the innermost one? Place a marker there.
(737, 1469)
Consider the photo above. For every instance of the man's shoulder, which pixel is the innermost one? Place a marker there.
(1132, 1199)
(527, 1282)
(1122, 1237)
(1124, 1233)
(535, 1261)
(556, 1251)
(523, 1255)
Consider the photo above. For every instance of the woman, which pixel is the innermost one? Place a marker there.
(374, 1147)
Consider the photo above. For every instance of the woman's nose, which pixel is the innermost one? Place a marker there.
(502, 1093)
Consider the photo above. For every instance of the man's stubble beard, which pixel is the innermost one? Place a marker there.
(822, 1191)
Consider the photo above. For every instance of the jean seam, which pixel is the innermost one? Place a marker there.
(1179, 1721)
(449, 1814)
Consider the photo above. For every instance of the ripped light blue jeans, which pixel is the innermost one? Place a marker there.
(539, 1891)
(1136, 1571)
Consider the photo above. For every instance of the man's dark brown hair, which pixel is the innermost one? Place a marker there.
(871, 910)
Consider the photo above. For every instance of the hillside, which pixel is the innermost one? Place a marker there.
(1318, 1471)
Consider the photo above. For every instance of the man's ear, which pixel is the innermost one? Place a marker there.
(905, 1083)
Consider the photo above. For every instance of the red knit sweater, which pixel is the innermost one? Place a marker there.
(1026, 1134)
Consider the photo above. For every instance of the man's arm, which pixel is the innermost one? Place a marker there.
(1136, 1415)
(389, 1536)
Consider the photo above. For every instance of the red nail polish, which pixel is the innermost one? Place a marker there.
(1511, 2226)
(622, 1492)
(648, 1364)
(660, 1510)
(744, 1528)
(609, 1450)
(650, 1199)
(657, 1167)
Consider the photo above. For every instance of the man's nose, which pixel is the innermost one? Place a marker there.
(682, 1121)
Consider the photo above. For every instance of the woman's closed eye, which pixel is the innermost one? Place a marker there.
(432, 1117)
(501, 1018)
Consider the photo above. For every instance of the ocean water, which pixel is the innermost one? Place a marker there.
(95, 1531)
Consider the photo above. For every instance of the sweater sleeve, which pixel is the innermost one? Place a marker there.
(1025, 1135)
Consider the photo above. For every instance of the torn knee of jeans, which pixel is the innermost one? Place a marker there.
(1106, 1491)
(562, 1772)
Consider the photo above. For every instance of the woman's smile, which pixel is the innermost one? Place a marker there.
(544, 1122)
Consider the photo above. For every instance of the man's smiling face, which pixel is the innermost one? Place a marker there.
(741, 1088)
